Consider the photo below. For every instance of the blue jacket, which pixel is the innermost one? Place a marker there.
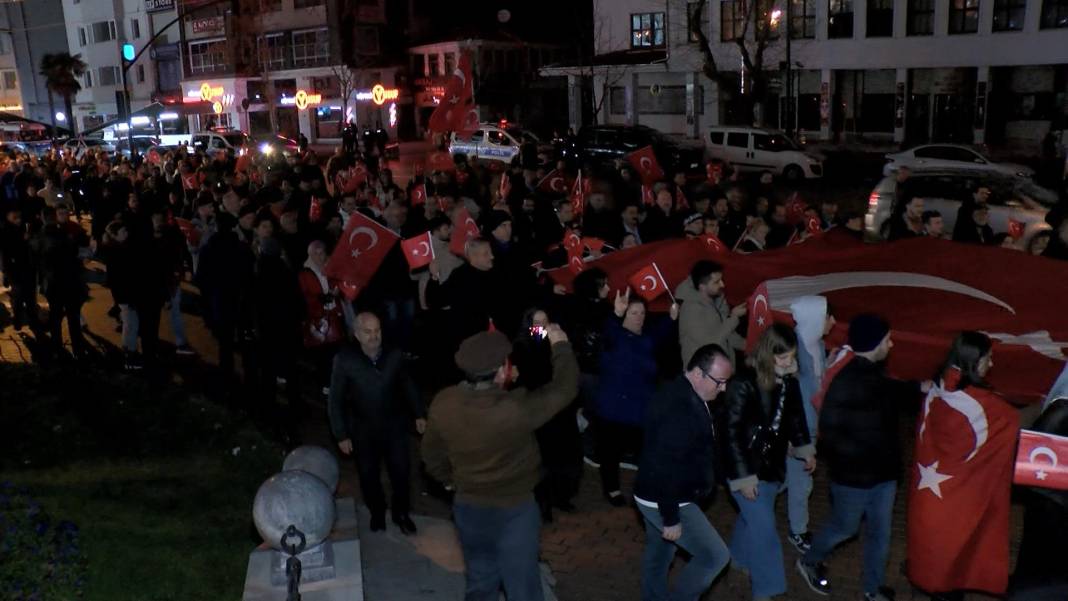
(628, 370)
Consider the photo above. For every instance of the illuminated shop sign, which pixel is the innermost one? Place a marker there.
(378, 94)
(302, 100)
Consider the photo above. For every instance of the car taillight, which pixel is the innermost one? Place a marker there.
(873, 200)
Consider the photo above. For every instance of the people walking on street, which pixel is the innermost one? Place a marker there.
(677, 475)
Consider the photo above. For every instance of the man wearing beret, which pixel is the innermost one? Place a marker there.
(480, 439)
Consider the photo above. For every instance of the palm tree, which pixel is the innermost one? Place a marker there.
(62, 72)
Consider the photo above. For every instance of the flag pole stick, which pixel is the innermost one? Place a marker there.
(664, 282)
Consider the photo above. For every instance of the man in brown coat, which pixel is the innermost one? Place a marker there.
(480, 439)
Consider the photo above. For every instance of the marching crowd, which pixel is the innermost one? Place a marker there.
(524, 378)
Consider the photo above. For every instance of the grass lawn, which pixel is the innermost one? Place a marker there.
(150, 477)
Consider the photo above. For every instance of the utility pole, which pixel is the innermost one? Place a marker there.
(128, 55)
(789, 72)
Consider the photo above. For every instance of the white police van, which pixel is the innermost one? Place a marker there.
(488, 142)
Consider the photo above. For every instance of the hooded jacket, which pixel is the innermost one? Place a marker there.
(703, 321)
(810, 315)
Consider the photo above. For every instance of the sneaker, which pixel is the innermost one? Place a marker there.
(615, 499)
(184, 349)
(815, 577)
(802, 542)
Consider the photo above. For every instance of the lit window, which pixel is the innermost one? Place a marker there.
(647, 30)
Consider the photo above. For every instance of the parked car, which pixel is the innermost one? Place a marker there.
(1011, 197)
(488, 142)
(951, 156)
(605, 143)
(233, 142)
(79, 146)
(140, 143)
(753, 149)
(270, 144)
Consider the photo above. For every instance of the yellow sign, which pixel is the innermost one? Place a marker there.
(207, 92)
(379, 94)
(303, 99)
(217, 107)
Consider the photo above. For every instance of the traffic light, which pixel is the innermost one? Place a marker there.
(128, 52)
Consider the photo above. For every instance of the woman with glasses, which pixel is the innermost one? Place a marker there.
(765, 421)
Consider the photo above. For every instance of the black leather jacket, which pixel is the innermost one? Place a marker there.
(747, 410)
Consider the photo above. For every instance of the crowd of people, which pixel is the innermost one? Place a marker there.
(527, 379)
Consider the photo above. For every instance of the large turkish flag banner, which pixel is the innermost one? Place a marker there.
(363, 246)
(1042, 460)
(930, 290)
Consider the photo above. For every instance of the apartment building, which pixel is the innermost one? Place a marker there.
(28, 31)
(893, 71)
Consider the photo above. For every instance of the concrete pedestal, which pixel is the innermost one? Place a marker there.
(347, 583)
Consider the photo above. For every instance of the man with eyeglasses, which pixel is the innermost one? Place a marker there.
(676, 476)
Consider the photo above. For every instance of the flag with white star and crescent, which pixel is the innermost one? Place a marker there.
(760, 318)
(959, 489)
(418, 250)
(1042, 460)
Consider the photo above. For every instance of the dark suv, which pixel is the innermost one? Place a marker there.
(604, 143)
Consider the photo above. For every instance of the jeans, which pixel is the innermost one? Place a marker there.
(798, 490)
(129, 327)
(755, 541)
(500, 546)
(177, 323)
(708, 555)
(848, 506)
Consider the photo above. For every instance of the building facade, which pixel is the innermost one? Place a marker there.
(893, 71)
(278, 66)
(28, 31)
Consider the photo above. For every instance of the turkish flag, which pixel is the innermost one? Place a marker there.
(713, 243)
(580, 190)
(594, 244)
(795, 209)
(190, 231)
(960, 488)
(644, 162)
(419, 251)
(363, 246)
(1042, 460)
(760, 318)
(928, 289)
(315, 209)
(189, 181)
(813, 226)
(555, 182)
(1016, 229)
(648, 282)
(440, 160)
(457, 100)
(572, 242)
(714, 173)
(464, 228)
(419, 195)
(575, 264)
(647, 195)
(681, 204)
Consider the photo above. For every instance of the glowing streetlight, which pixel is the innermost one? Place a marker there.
(775, 17)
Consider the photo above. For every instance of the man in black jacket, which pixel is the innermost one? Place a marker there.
(676, 474)
(372, 403)
(860, 444)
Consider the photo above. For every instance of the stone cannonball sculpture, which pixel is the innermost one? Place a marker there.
(293, 497)
(317, 461)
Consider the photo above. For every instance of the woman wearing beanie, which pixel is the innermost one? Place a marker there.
(765, 418)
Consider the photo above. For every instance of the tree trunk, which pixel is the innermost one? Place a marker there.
(52, 111)
(68, 102)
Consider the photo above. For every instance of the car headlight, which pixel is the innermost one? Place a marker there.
(266, 148)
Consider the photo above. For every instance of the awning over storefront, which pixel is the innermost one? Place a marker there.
(153, 110)
(11, 122)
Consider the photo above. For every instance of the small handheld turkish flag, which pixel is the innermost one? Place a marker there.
(464, 228)
(647, 195)
(813, 225)
(1016, 229)
(759, 316)
(575, 263)
(419, 250)
(681, 204)
(315, 209)
(1042, 460)
(459, 90)
(440, 160)
(594, 244)
(648, 282)
(555, 182)
(419, 195)
(644, 162)
(579, 191)
(189, 181)
(795, 209)
(572, 242)
(363, 246)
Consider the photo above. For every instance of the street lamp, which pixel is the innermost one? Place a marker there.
(60, 117)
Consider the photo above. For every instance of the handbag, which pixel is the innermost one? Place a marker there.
(766, 444)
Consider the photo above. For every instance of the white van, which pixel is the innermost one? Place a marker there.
(234, 142)
(754, 149)
(488, 142)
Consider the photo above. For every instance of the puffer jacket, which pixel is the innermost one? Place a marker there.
(747, 410)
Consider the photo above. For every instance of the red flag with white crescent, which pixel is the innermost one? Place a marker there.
(189, 181)
(504, 188)
(555, 182)
(572, 241)
(795, 209)
(363, 246)
(813, 226)
(1042, 460)
(464, 228)
(580, 190)
(440, 160)
(648, 198)
(419, 250)
(760, 317)
(644, 162)
(419, 195)
(713, 243)
(594, 244)
(1016, 229)
(648, 282)
(457, 100)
